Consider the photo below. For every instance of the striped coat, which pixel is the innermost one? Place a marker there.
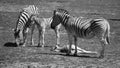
(24, 23)
(83, 28)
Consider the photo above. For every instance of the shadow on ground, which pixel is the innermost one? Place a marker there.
(10, 44)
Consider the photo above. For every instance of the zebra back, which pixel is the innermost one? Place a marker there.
(31, 9)
(79, 26)
(25, 15)
(44, 22)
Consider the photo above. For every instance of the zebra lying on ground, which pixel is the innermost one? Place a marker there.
(46, 22)
(81, 27)
(24, 23)
(65, 49)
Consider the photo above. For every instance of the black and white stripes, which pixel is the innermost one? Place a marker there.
(24, 23)
(83, 28)
(25, 14)
(22, 20)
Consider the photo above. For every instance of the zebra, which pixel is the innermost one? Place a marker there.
(65, 49)
(82, 27)
(46, 22)
(24, 24)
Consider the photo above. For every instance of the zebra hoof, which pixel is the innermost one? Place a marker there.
(38, 45)
(42, 46)
(68, 54)
(75, 54)
(31, 44)
(23, 45)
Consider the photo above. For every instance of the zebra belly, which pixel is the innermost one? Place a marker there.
(81, 33)
(88, 36)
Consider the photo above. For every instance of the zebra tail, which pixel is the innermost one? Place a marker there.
(108, 40)
(108, 35)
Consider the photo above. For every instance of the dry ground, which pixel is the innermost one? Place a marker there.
(36, 57)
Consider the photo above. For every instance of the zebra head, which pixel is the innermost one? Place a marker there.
(59, 16)
(21, 30)
(19, 38)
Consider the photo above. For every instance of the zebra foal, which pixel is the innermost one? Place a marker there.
(46, 22)
(81, 27)
(24, 23)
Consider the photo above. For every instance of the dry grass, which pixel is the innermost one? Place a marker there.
(37, 57)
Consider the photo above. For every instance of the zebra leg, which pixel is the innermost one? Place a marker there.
(70, 37)
(42, 37)
(24, 39)
(39, 36)
(102, 38)
(24, 43)
(39, 32)
(31, 38)
(105, 41)
(57, 36)
(103, 48)
(75, 41)
(23, 35)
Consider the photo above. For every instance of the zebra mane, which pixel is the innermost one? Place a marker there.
(62, 11)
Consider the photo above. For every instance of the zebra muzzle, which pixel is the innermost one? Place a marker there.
(52, 27)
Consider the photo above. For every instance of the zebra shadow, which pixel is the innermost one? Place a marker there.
(10, 44)
(64, 54)
(82, 56)
(39, 46)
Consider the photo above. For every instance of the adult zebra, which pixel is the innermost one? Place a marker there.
(24, 23)
(45, 23)
(81, 27)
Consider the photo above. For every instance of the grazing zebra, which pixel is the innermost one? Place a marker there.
(46, 22)
(81, 27)
(24, 23)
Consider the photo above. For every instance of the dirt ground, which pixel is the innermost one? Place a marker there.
(37, 57)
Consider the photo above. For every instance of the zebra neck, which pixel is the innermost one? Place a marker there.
(64, 20)
(67, 21)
